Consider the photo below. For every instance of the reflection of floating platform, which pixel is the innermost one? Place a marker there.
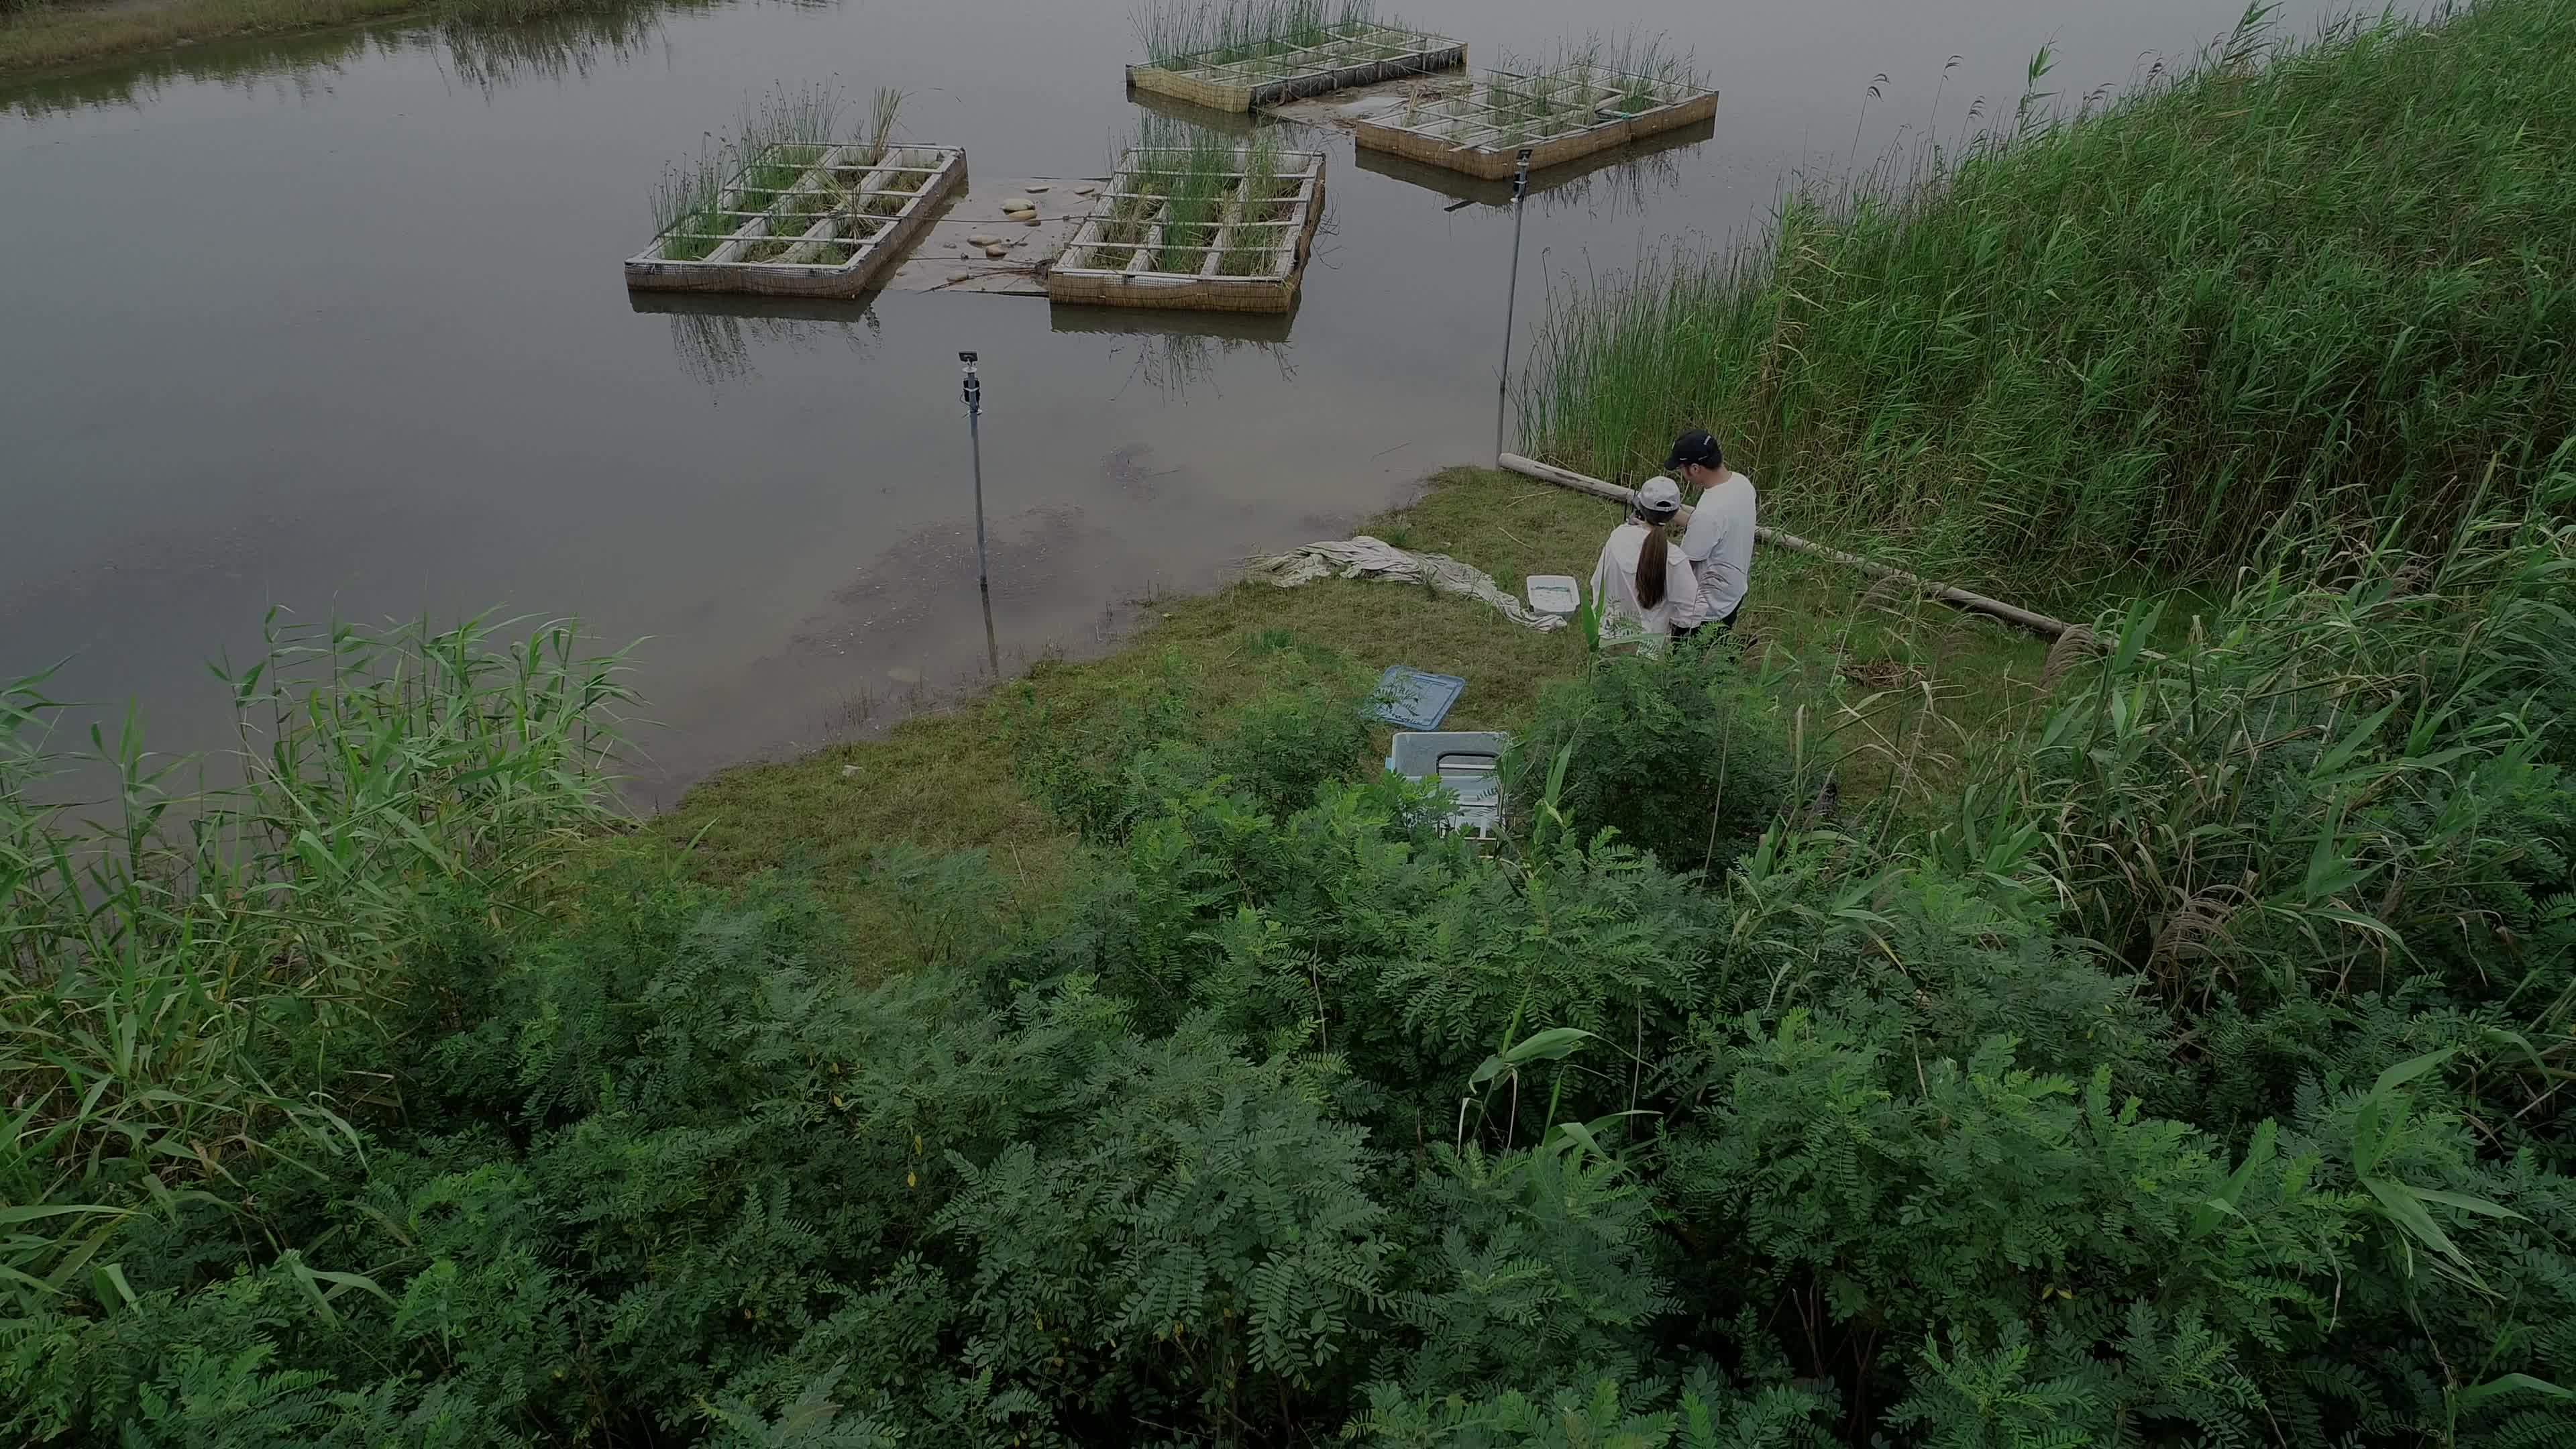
(1265, 328)
(1354, 54)
(1237, 124)
(804, 221)
(776, 309)
(1247, 255)
(1467, 188)
(1480, 127)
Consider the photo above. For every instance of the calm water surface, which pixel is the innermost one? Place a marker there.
(337, 324)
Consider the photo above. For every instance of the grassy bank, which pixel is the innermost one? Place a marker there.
(1901, 691)
(46, 35)
(2334, 275)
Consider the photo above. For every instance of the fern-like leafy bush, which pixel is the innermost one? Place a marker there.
(2169, 1090)
(1680, 755)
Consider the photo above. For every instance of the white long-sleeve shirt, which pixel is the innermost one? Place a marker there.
(1719, 545)
(1614, 592)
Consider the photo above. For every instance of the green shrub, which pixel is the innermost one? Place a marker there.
(2339, 778)
(1102, 770)
(1679, 755)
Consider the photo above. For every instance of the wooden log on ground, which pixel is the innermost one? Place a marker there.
(2039, 624)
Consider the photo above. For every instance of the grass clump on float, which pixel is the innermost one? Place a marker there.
(769, 171)
(1200, 176)
(701, 201)
(1253, 237)
(2329, 275)
(1581, 84)
(1188, 33)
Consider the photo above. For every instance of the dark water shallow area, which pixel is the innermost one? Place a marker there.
(336, 323)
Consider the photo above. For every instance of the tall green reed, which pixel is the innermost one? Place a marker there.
(1192, 169)
(1221, 32)
(2350, 776)
(194, 970)
(778, 135)
(1252, 244)
(2332, 274)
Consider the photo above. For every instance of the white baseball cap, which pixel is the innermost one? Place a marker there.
(1660, 498)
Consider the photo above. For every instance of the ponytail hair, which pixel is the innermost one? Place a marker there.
(1650, 564)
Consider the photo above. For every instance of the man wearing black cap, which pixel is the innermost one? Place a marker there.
(1719, 541)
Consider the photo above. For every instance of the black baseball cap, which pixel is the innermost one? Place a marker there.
(1695, 446)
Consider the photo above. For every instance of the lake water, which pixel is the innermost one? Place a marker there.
(337, 324)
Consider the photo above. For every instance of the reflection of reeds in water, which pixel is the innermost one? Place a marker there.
(568, 44)
(715, 348)
(1173, 364)
(487, 50)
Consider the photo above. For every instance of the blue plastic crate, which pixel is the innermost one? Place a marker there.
(1410, 699)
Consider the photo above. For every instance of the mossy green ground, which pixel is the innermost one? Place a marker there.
(1900, 691)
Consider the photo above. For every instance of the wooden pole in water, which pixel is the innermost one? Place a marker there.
(2039, 624)
(1511, 298)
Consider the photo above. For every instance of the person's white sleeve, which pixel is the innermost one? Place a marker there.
(1600, 592)
(1681, 584)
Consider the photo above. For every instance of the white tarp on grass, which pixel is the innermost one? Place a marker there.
(1370, 558)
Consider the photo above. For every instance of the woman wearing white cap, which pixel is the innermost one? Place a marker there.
(1643, 588)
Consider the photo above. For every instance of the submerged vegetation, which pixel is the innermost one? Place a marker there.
(2331, 276)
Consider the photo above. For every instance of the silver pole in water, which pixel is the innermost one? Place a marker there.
(1511, 299)
(975, 441)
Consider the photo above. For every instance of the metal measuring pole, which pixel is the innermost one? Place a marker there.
(975, 440)
(1511, 299)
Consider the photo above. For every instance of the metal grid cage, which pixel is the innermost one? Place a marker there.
(1247, 256)
(1355, 54)
(822, 220)
(1479, 126)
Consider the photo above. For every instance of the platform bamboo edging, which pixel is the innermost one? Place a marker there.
(847, 183)
(1285, 242)
(1355, 54)
(1458, 132)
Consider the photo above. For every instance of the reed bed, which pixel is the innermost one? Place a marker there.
(768, 170)
(196, 978)
(1230, 32)
(2335, 275)
(1582, 83)
(1199, 182)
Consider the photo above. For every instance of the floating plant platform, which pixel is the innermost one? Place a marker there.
(1580, 181)
(1266, 73)
(1480, 126)
(1160, 235)
(805, 221)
